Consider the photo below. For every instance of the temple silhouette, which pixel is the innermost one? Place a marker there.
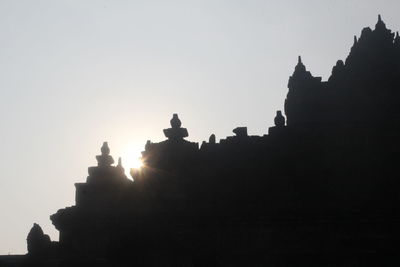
(321, 188)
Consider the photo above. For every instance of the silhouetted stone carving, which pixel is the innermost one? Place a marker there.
(175, 121)
(380, 25)
(176, 132)
(38, 243)
(120, 167)
(212, 139)
(279, 119)
(148, 144)
(104, 159)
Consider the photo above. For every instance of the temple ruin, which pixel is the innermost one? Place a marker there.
(321, 188)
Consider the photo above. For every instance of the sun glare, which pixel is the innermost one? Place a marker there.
(131, 159)
(136, 163)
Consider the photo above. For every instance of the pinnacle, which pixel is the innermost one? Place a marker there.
(119, 162)
(105, 150)
(119, 165)
(380, 23)
(300, 66)
(105, 159)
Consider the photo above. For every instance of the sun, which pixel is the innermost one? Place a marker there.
(131, 159)
(136, 163)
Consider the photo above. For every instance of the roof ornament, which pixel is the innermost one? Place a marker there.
(119, 165)
(104, 159)
(300, 66)
(211, 140)
(119, 162)
(354, 43)
(175, 121)
(176, 132)
(279, 119)
(105, 150)
(380, 24)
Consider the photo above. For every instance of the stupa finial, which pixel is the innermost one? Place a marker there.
(211, 140)
(104, 159)
(300, 66)
(175, 121)
(279, 119)
(105, 150)
(176, 132)
(119, 162)
(380, 24)
(119, 165)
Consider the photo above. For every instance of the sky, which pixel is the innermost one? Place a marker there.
(75, 73)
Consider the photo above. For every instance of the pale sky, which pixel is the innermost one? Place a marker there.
(76, 73)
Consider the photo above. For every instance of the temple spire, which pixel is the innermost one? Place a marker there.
(380, 24)
(354, 43)
(300, 66)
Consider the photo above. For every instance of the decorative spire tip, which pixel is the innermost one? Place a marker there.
(105, 150)
(175, 121)
(105, 159)
(380, 24)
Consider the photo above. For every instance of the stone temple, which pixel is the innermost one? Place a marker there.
(321, 188)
